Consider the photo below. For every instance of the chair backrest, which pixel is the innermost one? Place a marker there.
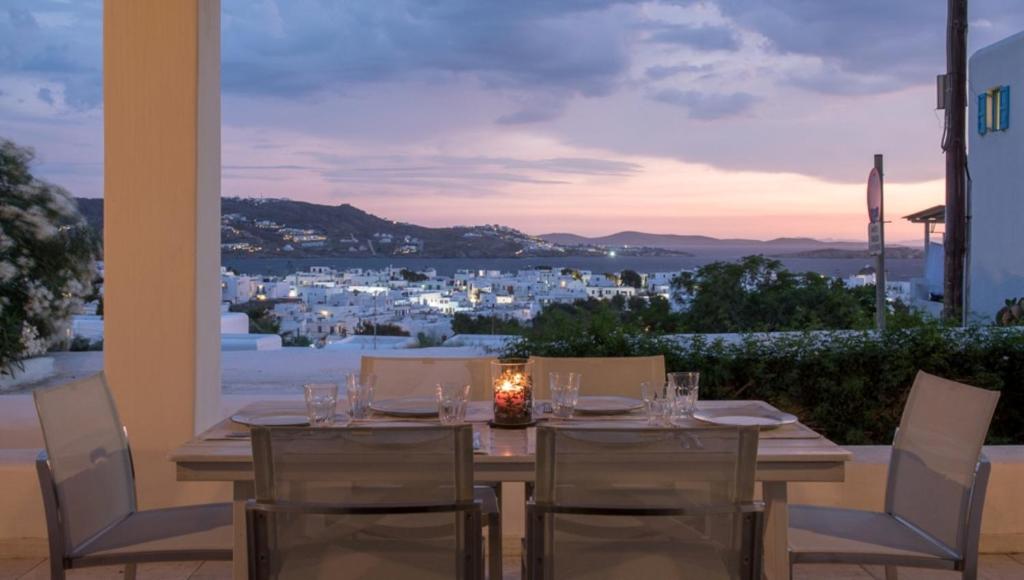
(603, 375)
(88, 460)
(409, 376)
(696, 481)
(935, 456)
(353, 499)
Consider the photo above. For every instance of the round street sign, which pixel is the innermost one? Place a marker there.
(874, 196)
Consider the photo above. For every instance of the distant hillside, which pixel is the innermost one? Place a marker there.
(895, 252)
(692, 242)
(282, 227)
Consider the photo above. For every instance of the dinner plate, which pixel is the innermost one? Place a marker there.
(406, 407)
(605, 405)
(745, 417)
(279, 420)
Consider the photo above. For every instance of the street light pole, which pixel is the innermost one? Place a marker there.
(956, 161)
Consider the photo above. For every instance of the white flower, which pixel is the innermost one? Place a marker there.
(8, 271)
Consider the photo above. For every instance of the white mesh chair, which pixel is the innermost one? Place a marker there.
(88, 488)
(644, 503)
(604, 375)
(364, 502)
(418, 377)
(934, 496)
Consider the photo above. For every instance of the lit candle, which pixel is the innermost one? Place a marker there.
(512, 394)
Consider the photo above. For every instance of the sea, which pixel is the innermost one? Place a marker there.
(897, 269)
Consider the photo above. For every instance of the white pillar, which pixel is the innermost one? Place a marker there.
(161, 64)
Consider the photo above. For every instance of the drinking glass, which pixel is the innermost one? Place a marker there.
(359, 391)
(684, 389)
(565, 393)
(452, 399)
(321, 400)
(657, 405)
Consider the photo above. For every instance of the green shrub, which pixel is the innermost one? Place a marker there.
(849, 386)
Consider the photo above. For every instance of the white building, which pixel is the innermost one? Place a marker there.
(995, 262)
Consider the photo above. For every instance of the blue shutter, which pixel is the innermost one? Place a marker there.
(1004, 108)
(982, 125)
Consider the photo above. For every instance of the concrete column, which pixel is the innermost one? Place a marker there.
(161, 64)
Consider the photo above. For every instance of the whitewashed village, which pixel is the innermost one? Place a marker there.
(328, 307)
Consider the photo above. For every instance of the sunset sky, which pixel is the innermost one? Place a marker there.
(753, 118)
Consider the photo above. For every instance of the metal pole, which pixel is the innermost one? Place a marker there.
(880, 305)
(956, 161)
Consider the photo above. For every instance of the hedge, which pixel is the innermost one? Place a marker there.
(849, 386)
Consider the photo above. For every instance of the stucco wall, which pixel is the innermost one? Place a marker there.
(996, 204)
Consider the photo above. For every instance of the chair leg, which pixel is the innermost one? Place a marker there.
(890, 573)
(970, 570)
(494, 546)
(57, 569)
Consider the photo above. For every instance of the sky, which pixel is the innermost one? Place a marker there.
(730, 118)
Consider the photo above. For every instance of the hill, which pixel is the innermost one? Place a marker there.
(696, 243)
(283, 227)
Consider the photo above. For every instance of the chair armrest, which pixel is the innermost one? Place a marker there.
(606, 510)
(342, 509)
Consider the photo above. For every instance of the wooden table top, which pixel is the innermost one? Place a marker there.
(788, 453)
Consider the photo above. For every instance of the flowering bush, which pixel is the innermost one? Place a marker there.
(47, 260)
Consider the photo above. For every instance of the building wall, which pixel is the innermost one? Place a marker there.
(996, 254)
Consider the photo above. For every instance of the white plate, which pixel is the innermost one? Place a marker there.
(745, 417)
(271, 420)
(601, 405)
(407, 407)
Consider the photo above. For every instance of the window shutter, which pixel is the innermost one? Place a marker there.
(982, 125)
(1004, 108)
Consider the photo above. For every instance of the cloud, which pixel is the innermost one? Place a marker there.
(45, 95)
(576, 47)
(868, 45)
(661, 72)
(54, 43)
(700, 37)
(706, 106)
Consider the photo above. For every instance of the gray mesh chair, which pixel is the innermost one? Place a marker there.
(393, 502)
(419, 376)
(934, 496)
(604, 375)
(88, 488)
(644, 503)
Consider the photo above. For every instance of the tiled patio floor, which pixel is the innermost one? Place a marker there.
(995, 567)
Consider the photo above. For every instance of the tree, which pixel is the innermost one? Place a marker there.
(366, 327)
(759, 294)
(47, 260)
(463, 323)
(411, 277)
(631, 278)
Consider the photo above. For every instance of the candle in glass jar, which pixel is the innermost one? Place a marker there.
(512, 396)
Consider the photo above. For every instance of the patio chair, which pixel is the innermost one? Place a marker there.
(934, 496)
(604, 375)
(365, 502)
(88, 487)
(644, 503)
(408, 376)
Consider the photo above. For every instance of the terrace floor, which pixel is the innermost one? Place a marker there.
(993, 567)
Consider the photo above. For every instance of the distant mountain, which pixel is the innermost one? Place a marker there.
(895, 252)
(283, 227)
(692, 242)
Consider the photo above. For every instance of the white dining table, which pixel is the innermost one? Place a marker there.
(791, 453)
